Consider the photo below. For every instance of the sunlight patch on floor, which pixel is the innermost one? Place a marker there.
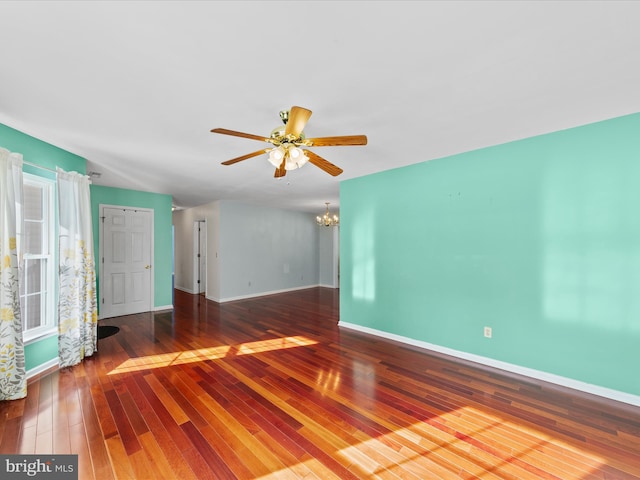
(455, 436)
(211, 353)
(451, 438)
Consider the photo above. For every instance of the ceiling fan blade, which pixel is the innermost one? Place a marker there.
(325, 165)
(298, 118)
(233, 133)
(244, 157)
(338, 141)
(280, 171)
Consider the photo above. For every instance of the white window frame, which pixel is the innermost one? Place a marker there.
(49, 321)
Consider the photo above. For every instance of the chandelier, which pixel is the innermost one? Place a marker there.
(328, 220)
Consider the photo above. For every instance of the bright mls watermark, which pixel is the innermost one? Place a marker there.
(45, 467)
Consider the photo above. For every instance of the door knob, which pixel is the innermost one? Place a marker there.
(147, 267)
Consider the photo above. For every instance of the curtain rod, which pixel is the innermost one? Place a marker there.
(39, 166)
(52, 170)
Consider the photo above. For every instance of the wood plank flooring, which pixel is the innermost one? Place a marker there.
(271, 388)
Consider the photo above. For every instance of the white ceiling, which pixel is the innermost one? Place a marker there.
(136, 87)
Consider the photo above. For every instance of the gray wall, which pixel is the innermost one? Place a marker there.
(265, 250)
(328, 256)
(251, 250)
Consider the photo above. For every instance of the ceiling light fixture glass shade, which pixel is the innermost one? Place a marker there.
(293, 157)
(296, 158)
(276, 155)
(328, 220)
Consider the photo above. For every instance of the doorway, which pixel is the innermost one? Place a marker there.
(126, 251)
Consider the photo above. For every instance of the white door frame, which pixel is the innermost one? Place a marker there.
(101, 208)
(336, 257)
(201, 287)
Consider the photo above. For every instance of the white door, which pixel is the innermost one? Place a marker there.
(126, 261)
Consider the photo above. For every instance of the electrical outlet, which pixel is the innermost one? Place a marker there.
(488, 332)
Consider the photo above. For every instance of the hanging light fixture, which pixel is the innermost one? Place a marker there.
(328, 220)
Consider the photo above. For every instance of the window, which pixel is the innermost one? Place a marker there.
(37, 292)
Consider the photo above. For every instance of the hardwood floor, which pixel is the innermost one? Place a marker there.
(272, 388)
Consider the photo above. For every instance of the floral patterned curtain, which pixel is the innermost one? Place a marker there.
(77, 306)
(13, 380)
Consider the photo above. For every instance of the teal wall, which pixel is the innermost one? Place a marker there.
(40, 352)
(538, 239)
(39, 152)
(46, 155)
(162, 218)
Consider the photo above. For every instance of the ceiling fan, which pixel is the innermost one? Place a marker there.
(286, 153)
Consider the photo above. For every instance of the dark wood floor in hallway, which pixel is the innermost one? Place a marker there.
(271, 387)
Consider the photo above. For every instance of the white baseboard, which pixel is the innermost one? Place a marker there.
(185, 289)
(43, 367)
(163, 308)
(509, 367)
(261, 294)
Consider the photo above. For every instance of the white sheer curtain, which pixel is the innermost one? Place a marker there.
(77, 306)
(13, 381)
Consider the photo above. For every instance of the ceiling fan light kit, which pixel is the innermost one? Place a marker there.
(294, 157)
(287, 141)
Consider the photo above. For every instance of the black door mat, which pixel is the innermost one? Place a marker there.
(105, 331)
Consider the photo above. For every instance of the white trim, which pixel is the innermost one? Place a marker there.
(162, 308)
(49, 310)
(185, 289)
(52, 331)
(43, 367)
(336, 257)
(260, 294)
(202, 250)
(509, 367)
